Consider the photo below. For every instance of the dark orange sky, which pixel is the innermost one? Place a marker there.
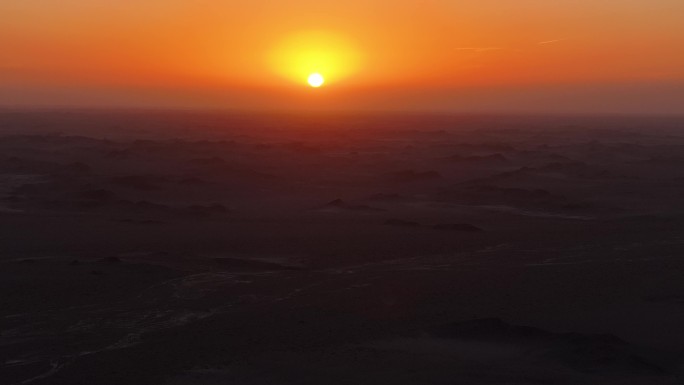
(489, 55)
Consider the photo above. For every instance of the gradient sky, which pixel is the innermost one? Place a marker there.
(485, 55)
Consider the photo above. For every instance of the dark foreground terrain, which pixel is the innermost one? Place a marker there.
(201, 249)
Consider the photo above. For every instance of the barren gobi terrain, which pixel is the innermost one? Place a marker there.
(213, 248)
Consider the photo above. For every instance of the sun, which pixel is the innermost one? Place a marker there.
(316, 80)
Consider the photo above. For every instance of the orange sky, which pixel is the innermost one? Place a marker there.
(527, 55)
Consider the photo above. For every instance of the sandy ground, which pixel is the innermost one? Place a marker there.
(180, 248)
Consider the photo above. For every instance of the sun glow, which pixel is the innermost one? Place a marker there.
(308, 55)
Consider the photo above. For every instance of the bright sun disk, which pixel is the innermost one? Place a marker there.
(316, 80)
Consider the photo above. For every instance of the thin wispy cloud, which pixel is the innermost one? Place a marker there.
(550, 41)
